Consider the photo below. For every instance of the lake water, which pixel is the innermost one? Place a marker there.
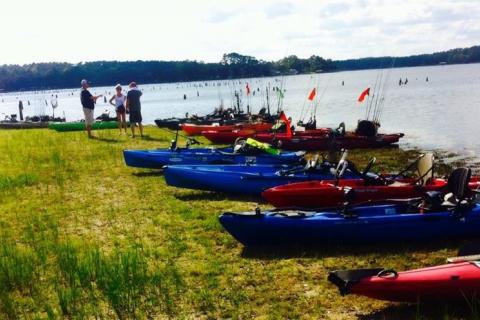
(439, 114)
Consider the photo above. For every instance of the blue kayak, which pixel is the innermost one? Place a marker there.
(157, 159)
(247, 179)
(367, 224)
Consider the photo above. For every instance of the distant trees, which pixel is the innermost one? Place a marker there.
(39, 76)
(454, 56)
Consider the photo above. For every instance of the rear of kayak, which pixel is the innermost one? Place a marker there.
(448, 282)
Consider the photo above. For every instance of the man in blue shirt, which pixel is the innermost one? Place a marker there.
(88, 103)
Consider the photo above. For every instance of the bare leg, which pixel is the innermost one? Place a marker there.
(89, 131)
(140, 125)
(119, 121)
(124, 123)
(132, 126)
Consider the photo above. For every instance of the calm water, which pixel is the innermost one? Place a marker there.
(441, 114)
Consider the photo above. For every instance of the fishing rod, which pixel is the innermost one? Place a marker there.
(268, 100)
(383, 92)
(303, 112)
(177, 134)
(321, 95)
(280, 95)
(371, 99)
(248, 96)
(377, 96)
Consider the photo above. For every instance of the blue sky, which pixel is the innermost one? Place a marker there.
(64, 30)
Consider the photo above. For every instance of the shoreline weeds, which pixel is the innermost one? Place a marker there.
(85, 236)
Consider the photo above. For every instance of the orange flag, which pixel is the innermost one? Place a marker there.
(284, 118)
(248, 89)
(312, 94)
(365, 92)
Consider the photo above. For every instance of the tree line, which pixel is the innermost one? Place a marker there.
(41, 76)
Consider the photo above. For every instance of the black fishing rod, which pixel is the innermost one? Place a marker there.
(177, 134)
(268, 100)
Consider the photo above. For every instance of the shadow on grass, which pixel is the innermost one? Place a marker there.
(149, 138)
(152, 173)
(217, 196)
(426, 311)
(337, 250)
(107, 140)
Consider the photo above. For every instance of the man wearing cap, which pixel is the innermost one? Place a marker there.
(134, 108)
(88, 102)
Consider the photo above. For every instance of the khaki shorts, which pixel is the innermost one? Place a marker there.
(89, 119)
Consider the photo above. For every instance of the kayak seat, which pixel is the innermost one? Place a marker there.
(398, 184)
(425, 169)
(458, 189)
(345, 279)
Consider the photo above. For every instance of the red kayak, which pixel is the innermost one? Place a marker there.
(229, 137)
(319, 194)
(455, 281)
(195, 130)
(349, 140)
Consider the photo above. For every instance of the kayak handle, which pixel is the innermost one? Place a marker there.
(387, 273)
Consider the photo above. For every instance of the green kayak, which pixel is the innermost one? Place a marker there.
(79, 126)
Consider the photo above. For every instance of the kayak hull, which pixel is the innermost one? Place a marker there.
(23, 125)
(157, 159)
(229, 137)
(327, 142)
(373, 225)
(321, 194)
(196, 130)
(240, 179)
(80, 126)
(448, 282)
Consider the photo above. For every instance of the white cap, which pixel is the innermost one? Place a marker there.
(83, 82)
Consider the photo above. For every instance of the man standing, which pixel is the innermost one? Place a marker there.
(88, 102)
(134, 108)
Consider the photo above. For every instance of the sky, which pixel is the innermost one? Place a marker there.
(203, 30)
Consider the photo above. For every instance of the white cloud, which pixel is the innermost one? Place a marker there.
(279, 9)
(59, 30)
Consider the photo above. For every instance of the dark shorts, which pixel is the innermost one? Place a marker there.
(120, 109)
(135, 115)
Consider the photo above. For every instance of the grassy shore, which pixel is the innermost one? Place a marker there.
(84, 236)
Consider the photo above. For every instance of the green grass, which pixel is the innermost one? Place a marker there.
(83, 236)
